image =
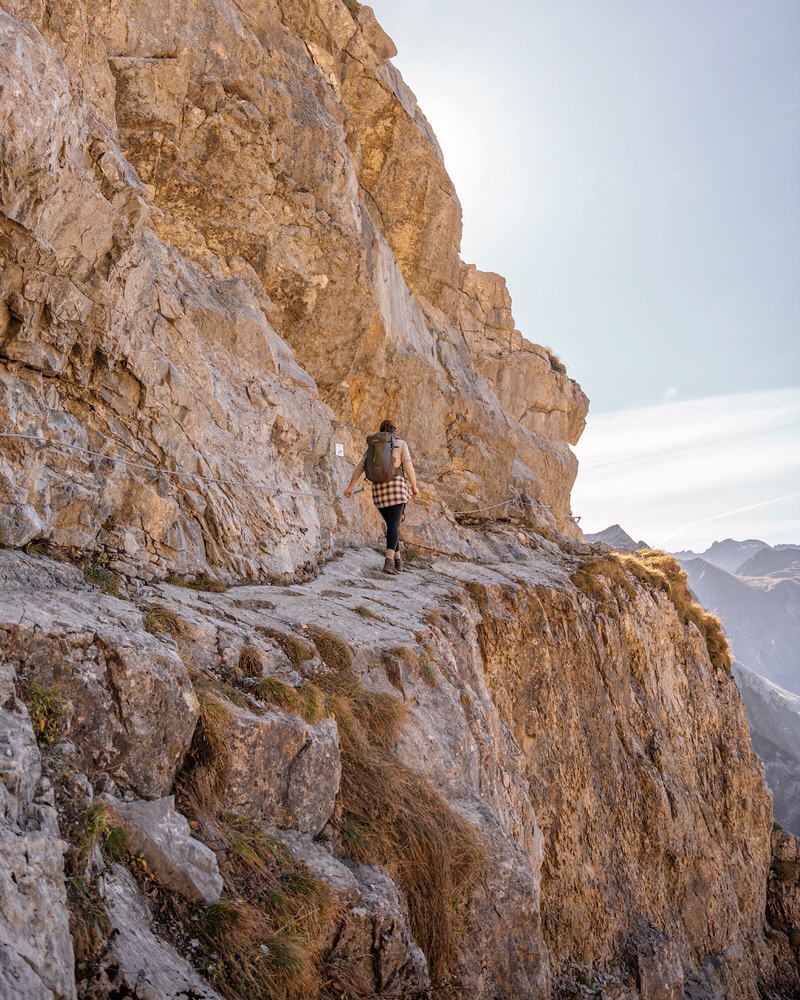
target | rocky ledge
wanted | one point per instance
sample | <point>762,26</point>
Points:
<point>427,778</point>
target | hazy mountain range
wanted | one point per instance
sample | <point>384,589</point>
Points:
<point>755,589</point>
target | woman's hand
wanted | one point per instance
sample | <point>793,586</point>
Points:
<point>348,492</point>
<point>414,491</point>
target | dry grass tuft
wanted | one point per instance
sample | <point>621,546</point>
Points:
<point>305,701</point>
<point>556,364</point>
<point>334,652</point>
<point>251,663</point>
<point>391,816</point>
<point>161,621</point>
<point>297,651</point>
<point>365,612</point>
<point>207,766</point>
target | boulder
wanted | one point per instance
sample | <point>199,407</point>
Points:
<point>281,770</point>
<point>126,698</point>
<point>374,942</point>
<point>163,836</point>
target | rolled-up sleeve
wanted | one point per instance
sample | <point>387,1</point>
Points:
<point>405,460</point>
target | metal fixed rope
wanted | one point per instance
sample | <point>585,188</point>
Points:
<point>215,480</point>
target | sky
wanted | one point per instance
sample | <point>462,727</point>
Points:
<point>632,168</point>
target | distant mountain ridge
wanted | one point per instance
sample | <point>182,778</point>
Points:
<point>728,554</point>
<point>774,719</point>
<point>780,562</point>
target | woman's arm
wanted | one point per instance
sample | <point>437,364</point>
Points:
<point>408,468</point>
<point>357,472</point>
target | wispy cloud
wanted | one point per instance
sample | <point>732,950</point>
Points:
<point>688,472</point>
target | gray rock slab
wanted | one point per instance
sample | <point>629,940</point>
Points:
<point>282,771</point>
<point>163,835</point>
<point>138,964</point>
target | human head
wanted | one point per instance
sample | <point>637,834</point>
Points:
<point>387,425</point>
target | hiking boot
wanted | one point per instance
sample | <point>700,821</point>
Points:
<point>388,566</point>
<point>398,562</point>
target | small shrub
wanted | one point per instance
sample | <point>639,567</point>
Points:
<point>103,578</point>
<point>207,583</point>
<point>365,612</point>
<point>352,6</point>
<point>46,709</point>
<point>207,764</point>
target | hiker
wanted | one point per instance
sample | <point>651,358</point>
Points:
<point>387,464</point>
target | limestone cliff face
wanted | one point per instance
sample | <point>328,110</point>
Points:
<point>228,242</point>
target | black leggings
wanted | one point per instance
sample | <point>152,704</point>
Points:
<point>392,516</point>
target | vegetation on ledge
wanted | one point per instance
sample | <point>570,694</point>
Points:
<point>658,571</point>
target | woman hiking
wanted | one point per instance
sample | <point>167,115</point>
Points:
<point>391,497</point>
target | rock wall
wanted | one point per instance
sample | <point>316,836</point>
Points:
<point>228,242</point>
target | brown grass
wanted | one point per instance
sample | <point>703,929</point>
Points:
<point>251,663</point>
<point>161,621</point>
<point>297,651</point>
<point>334,652</point>
<point>556,364</point>
<point>267,927</point>
<point>392,816</point>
